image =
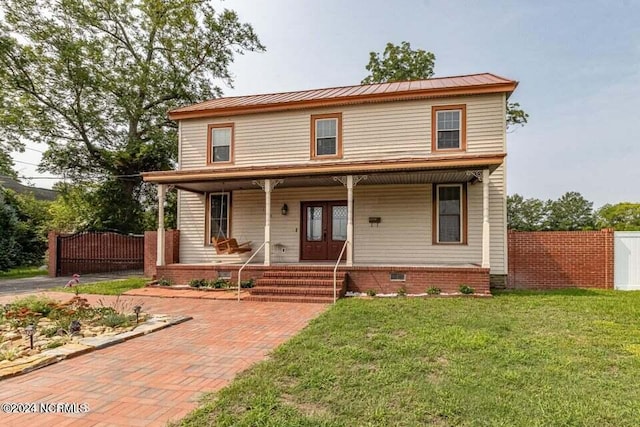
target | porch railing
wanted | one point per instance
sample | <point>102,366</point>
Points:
<point>244,265</point>
<point>335,271</point>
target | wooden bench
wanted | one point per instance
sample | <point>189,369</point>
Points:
<point>230,246</point>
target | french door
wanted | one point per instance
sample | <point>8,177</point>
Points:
<point>324,230</point>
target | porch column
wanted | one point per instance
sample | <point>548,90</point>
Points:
<point>162,191</point>
<point>267,222</point>
<point>350,220</point>
<point>486,230</point>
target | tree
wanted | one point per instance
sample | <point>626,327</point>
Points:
<point>94,79</point>
<point>399,63</point>
<point>30,231</point>
<point>8,244</point>
<point>526,215</point>
<point>403,63</point>
<point>570,212</point>
<point>621,216</point>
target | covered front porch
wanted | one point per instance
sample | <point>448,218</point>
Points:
<point>387,225</point>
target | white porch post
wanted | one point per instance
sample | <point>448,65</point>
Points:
<point>349,220</point>
<point>486,230</point>
<point>267,222</point>
<point>162,191</point>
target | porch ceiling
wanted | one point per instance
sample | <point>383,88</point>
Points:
<point>405,171</point>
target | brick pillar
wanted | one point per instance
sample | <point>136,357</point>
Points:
<point>172,247</point>
<point>171,250</point>
<point>150,245</point>
<point>53,253</point>
<point>609,261</point>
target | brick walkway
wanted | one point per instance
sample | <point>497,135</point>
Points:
<point>156,378</point>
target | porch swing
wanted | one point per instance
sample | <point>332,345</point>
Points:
<point>225,245</point>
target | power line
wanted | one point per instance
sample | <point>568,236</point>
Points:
<point>33,149</point>
<point>26,163</point>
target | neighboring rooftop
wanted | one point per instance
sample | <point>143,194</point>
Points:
<point>38,193</point>
<point>416,89</point>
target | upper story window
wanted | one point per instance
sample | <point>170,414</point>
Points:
<point>448,128</point>
<point>220,143</point>
<point>326,136</point>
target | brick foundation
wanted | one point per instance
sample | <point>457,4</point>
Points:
<point>171,250</point>
<point>360,279</point>
<point>560,259</point>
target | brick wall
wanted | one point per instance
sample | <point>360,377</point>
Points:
<point>171,250</point>
<point>560,259</point>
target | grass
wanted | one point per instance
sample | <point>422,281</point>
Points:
<point>22,272</point>
<point>518,359</point>
<point>111,287</point>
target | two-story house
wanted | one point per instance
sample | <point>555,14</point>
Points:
<point>405,179</point>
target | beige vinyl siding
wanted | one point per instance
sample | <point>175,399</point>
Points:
<point>498,221</point>
<point>404,237</point>
<point>371,131</point>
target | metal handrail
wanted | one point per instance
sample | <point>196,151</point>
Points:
<point>335,271</point>
<point>244,265</point>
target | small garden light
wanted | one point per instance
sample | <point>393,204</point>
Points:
<point>137,309</point>
<point>74,328</point>
<point>30,331</point>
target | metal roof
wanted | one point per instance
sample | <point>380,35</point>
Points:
<point>416,89</point>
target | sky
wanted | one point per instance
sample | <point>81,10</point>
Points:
<point>578,64</point>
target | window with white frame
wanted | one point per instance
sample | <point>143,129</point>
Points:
<point>325,135</point>
<point>220,143</point>
<point>448,127</point>
<point>219,216</point>
<point>449,213</point>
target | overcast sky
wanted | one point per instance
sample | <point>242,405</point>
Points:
<point>578,64</point>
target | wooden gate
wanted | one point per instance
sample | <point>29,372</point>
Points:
<point>98,252</point>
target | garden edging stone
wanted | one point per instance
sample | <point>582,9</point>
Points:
<point>86,345</point>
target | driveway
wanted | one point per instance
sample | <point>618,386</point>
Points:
<point>38,283</point>
<point>156,378</point>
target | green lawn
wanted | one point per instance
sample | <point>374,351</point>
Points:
<point>112,287</point>
<point>519,359</point>
<point>21,272</point>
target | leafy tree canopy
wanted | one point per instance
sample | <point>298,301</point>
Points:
<point>23,229</point>
<point>93,79</point>
<point>621,216</point>
<point>8,230</point>
<point>525,215</point>
<point>399,63</point>
<point>569,213</point>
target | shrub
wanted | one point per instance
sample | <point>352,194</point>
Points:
<point>371,292</point>
<point>219,283</point>
<point>8,352</point>
<point>466,290</point>
<point>434,290</point>
<point>164,282</point>
<point>402,292</point>
<point>198,283</point>
<point>245,284</point>
<point>36,304</point>
<point>115,320</point>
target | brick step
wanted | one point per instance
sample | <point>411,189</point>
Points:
<point>284,298</point>
<point>298,282</point>
<point>294,274</point>
<point>307,291</point>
